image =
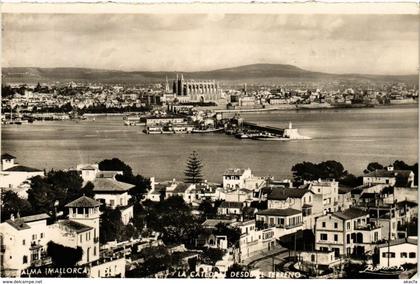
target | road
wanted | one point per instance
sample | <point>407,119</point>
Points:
<point>266,264</point>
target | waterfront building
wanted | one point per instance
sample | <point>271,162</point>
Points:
<point>346,233</point>
<point>196,91</point>
<point>391,177</point>
<point>398,252</point>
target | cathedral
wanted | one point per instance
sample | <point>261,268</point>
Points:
<point>195,91</point>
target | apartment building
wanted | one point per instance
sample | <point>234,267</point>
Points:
<point>346,233</point>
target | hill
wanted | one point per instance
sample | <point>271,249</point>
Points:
<point>256,73</point>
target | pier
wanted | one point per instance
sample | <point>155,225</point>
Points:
<point>269,129</point>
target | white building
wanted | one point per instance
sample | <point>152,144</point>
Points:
<point>24,240</point>
<point>400,251</point>
<point>346,233</point>
<point>235,178</point>
<point>14,176</point>
<point>114,194</point>
<point>328,189</point>
<point>389,176</point>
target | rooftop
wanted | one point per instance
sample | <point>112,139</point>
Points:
<point>110,185</point>
<point>284,193</point>
<point>386,173</point>
<point>279,212</point>
<point>181,187</point>
<point>75,226</point>
<point>351,213</point>
<point>21,223</point>
<point>231,204</point>
<point>213,222</point>
<point>84,201</point>
<point>7,156</point>
<point>234,172</point>
<point>399,242</point>
<point>22,169</point>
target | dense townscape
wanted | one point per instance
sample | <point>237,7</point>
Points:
<point>112,222</point>
<point>23,103</point>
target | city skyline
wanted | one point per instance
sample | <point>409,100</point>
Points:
<point>202,42</point>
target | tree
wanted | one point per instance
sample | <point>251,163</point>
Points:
<point>13,204</point>
<point>310,171</point>
<point>372,167</point>
<point>88,190</point>
<point>155,259</point>
<point>62,256</point>
<point>233,234</point>
<point>212,255</point>
<point>193,169</point>
<point>115,164</point>
<point>111,225</point>
<point>42,197</point>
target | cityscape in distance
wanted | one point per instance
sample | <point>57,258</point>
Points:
<point>263,146</point>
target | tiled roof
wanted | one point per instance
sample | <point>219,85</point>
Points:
<point>213,222</point>
<point>33,218</point>
<point>75,226</point>
<point>22,169</point>
<point>234,172</point>
<point>279,212</point>
<point>110,185</point>
<point>21,223</point>
<point>84,201</point>
<point>407,202</point>
<point>18,224</point>
<point>284,193</point>
<point>7,156</point>
<point>88,168</point>
<point>399,242</point>
<point>181,188</point>
<point>351,213</point>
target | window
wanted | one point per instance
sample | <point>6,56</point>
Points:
<point>324,237</point>
<point>412,255</point>
<point>25,259</point>
<point>310,199</point>
<point>42,235</point>
<point>23,242</point>
<point>33,237</point>
<point>391,254</point>
<point>323,224</point>
<point>348,238</point>
<point>313,258</point>
<point>335,238</point>
<point>403,255</point>
<point>335,225</point>
<point>80,237</point>
<point>348,225</point>
<point>79,210</point>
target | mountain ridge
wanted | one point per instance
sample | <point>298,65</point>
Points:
<point>258,71</point>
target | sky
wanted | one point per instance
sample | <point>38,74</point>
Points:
<point>334,43</point>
